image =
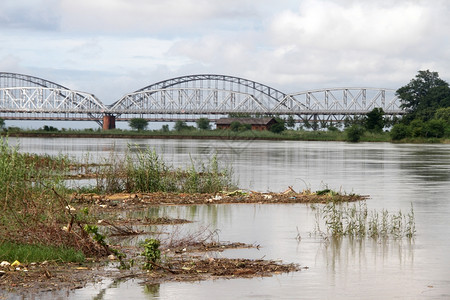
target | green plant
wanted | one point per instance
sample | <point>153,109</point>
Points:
<point>356,221</point>
<point>203,124</point>
<point>147,172</point>
<point>151,253</point>
<point>25,253</point>
<point>399,132</point>
<point>354,133</point>
<point>138,123</point>
<point>375,120</point>
<point>278,127</point>
<point>435,128</point>
<point>235,126</point>
<point>96,236</point>
<point>28,202</point>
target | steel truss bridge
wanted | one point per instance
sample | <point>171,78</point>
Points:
<point>187,98</point>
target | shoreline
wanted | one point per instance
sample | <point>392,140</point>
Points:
<point>133,136</point>
<point>320,137</point>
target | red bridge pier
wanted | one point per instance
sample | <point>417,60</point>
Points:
<point>109,122</point>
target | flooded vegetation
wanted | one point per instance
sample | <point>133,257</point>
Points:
<point>44,220</point>
<point>356,221</point>
<point>303,238</point>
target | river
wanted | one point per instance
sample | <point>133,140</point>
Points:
<point>395,176</point>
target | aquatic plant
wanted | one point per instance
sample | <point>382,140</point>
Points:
<point>354,220</point>
<point>151,253</point>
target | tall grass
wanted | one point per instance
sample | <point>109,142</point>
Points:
<point>356,221</point>
<point>33,204</point>
<point>26,189</point>
<point>146,171</point>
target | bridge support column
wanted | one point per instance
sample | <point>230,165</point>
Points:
<point>109,122</point>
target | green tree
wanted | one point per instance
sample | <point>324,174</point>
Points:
<point>443,114</point>
<point>278,127</point>
<point>423,95</point>
<point>235,125</point>
<point>417,128</point>
<point>49,128</point>
<point>203,123</point>
<point>165,128</point>
<point>2,123</point>
<point>306,124</point>
<point>354,133</point>
<point>399,131</point>
<point>375,120</point>
<point>435,128</point>
<point>138,124</point>
<point>180,125</point>
<point>290,122</point>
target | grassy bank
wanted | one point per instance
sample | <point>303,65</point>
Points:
<point>290,135</point>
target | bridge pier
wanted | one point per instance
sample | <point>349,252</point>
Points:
<point>109,122</point>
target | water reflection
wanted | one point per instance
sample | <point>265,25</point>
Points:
<point>340,252</point>
<point>429,165</point>
<point>152,290</point>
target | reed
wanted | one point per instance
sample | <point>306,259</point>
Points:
<point>354,220</point>
<point>146,171</point>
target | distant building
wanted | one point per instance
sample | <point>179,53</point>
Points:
<point>256,123</point>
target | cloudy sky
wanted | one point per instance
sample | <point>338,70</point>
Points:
<point>112,47</point>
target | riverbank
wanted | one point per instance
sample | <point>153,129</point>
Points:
<point>186,258</point>
<point>41,214</point>
<point>288,135</point>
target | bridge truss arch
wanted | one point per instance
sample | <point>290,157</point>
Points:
<point>33,98</point>
<point>200,94</point>
<point>187,98</point>
<point>208,95</point>
<point>345,100</point>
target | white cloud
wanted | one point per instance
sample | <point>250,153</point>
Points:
<point>174,17</point>
<point>110,47</point>
<point>355,39</point>
<point>359,26</point>
<point>35,15</point>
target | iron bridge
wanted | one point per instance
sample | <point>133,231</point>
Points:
<point>187,98</point>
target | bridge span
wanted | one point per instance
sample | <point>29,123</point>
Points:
<point>187,98</point>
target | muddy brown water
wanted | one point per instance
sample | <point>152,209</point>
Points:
<point>394,175</point>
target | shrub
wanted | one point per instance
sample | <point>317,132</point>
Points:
<point>235,125</point>
<point>203,124</point>
<point>151,253</point>
<point>435,128</point>
<point>354,133</point>
<point>399,131</point>
<point>417,128</point>
<point>278,127</point>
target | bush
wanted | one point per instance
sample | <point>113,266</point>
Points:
<point>417,128</point>
<point>399,132</point>
<point>354,133</point>
<point>180,125</point>
<point>203,124</point>
<point>435,128</point>
<point>278,127</point>
<point>235,125</point>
